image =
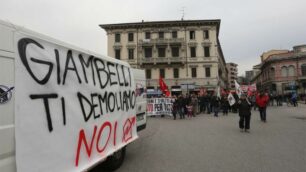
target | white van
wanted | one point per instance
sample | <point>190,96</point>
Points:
<point>63,108</point>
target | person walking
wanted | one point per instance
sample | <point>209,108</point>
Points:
<point>244,107</point>
<point>174,107</point>
<point>215,103</point>
<point>225,104</point>
<point>294,99</point>
<point>181,108</point>
<point>194,103</point>
<point>253,101</point>
<point>189,110</point>
<point>262,101</point>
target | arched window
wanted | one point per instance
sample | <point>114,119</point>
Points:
<point>291,70</point>
<point>272,72</point>
<point>284,71</point>
<point>303,68</point>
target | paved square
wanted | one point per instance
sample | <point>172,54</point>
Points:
<point>209,144</point>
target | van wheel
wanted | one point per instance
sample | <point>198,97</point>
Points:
<point>112,163</point>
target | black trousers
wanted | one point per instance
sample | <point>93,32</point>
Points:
<point>174,114</point>
<point>244,122</point>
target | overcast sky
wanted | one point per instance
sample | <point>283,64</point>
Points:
<point>248,27</point>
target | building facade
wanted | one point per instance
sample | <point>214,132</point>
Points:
<point>284,73</point>
<point>249,75</point>
<point>186,53</point>
<point>232,74</point>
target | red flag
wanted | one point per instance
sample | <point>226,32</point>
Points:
<point>163,87</point>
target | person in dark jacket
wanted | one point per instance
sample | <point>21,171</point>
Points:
<point>215,103</point>
<point>244,107</point>
<point>225,104</point>
<point>174,107</point>
<point>180,108</point>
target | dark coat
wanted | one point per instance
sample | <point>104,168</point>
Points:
<point>244,107</point>
<point>215,101</point>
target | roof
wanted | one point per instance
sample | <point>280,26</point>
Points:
<point>173,23</point>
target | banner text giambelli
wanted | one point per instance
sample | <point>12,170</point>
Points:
<point>106,76</point>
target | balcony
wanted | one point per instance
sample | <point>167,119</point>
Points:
<point>161,41</point>
<point>203,59</point>
<point>162,60</point>
<point>206,82</point>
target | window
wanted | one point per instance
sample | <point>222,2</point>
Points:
<point>162,73</point>
<point>161,35</point>
<point>148,73</point>
<point>131,53</point>
<point>148,52</point>
<point>272,73</point>
<point>148,35</point>
<point>117,37</point>
<point>192,34</point>
<point>206,51</point>
<point>131,37</point>
<point>193,52</point>
<point>303,68</point>
<point>207,71</point>
<point>174,34</point>
<point>206,34</point>
<point>161,52</point>
<point>175,52</point>
<point>291,71</point>
<point>117,53</point>
<point>194,72</point>
<point>284,71</point>
<point>175,73</point>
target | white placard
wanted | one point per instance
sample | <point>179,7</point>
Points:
<point>72,109</point>
<point>159,106</point>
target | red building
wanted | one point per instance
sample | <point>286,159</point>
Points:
<point>283,73</point>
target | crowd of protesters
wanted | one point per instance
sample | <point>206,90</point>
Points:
<point>188,106</point>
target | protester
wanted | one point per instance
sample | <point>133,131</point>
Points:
<point>194,103</point>
<point>215,104</point>
<point>234,107</point>
<point>244,107</point>
<point>294,99</point>
<point>189,110</point>
<point>181,108</point>
<point>225,104</point>
<point>262,100</point>
<point>253,101</point>
<point>175,108</point>
<point>279,99</point>
<point>207,99</point>
<point>202,103</point>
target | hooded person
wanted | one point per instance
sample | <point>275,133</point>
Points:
<point>244,107</point>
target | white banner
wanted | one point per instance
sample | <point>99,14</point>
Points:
<point>159,106</point>
<point>72,109</point>
<point>238,89</point>
<point>231,99</point>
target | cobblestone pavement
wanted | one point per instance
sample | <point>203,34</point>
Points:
<point>209,144</point>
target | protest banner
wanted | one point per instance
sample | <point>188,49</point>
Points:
<point>72,109</point>
<point>231,99</point>
<point>159,106</point>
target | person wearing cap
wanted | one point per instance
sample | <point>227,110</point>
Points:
<point>244,107</point>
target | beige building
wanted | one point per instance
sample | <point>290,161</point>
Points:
<point>232,74</point>
<point>186,53</point>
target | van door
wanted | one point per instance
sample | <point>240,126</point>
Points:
<point>7,141</point>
